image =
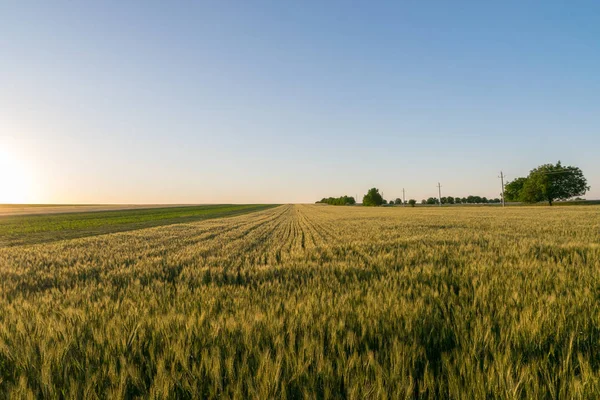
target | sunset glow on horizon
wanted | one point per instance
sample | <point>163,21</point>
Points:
<point>16,183</point>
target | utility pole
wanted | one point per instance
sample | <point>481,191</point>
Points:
<point>403,198</point>
<point>502,182</point>
<point>440,193</point>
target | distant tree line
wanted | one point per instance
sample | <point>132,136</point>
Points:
<point>461,200</point>
<point>549,183</point>
<point>374,198</point>
<point>338,201</point>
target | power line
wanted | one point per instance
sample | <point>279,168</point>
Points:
<point>502,181</point>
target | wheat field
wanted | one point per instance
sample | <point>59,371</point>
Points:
<point>306,301</point>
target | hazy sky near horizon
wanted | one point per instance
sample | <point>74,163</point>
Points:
<point>271,101</point>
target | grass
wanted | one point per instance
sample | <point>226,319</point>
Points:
<point>27,229</point>
<point>311,302</point>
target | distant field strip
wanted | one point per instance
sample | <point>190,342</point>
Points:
<point>30,209</point>
<point>25,229</point>
<point>308,301</point>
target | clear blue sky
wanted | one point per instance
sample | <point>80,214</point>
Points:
<point>252,101</point>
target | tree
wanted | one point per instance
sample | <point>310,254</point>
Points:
<point>449,200</point>
<point>338,201</point>
<point>550,182</point>
<point>513,189</point>
<point>423,201</point>
<point>372,198</point>
<point>457,200</point>
<point>398,201</point>
<point>412,202</point>
<point>433,200</point>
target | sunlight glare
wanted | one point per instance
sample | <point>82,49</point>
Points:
<point>15,182</point>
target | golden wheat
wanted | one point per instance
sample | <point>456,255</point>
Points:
<point>311,301</point>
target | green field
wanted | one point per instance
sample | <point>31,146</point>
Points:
<point>26,229</point>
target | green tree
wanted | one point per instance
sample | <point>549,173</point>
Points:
<point>550,182</point>
<point>398,201</point>
<point>338,201</point>
<point>372,198</point>
<point>412,202</point>
<point>513,189</point>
